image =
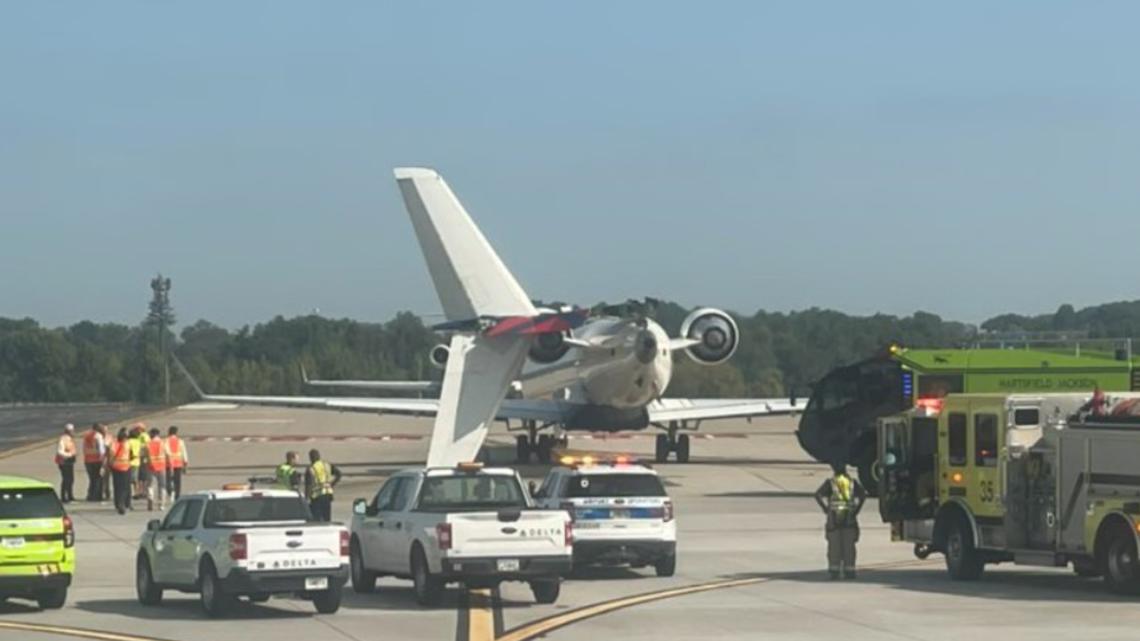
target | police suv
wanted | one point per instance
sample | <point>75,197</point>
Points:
<point>37,543</point>
<point>620,511</point>
<point>242,542</point>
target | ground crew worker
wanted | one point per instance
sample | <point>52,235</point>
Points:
<point>120,462</point>
<point>287,474</point>
<point>320,479</point>
<point>65,452</point>
<point>841,498</point>
<point>94,449</point>
<point>179,461</point>
<point>157,458</point>
<point>139,465</point>
<point>136,459</point>
<point>108,441</point>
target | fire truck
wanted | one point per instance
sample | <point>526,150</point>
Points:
<point>1046,480</point>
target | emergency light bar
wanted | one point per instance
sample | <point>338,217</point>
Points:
<point>592,459</point>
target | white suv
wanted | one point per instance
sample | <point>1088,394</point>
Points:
<point>620,511</point>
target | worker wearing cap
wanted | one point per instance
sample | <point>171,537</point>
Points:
<point>94,449</point>
<point>179,462</point>
<point>65,452</point>
<point>158,456</point>
<point>320,479</point>
<point>841,498</point>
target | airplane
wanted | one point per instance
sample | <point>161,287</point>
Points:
<point>558,368</point>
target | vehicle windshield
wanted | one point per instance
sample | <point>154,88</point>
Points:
<point>255,509</point>
<point>607,485</point>
<point>35,503</point>
<point>470,493</point>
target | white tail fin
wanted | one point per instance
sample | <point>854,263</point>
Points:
<point>470,278</point>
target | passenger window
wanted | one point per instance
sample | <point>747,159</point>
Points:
<point>1026,417</point>
<point>985,440</point>
<point>403,495</point>
<point>193,514</point>
<point>956,452</point>
<point>174,518</point>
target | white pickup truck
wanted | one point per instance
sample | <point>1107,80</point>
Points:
<point>464,524</point>
<point>252,543</point>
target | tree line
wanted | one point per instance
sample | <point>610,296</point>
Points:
<point>779,353</point>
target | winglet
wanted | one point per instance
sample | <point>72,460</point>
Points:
<point>470,278</point>
<point>186,373</point>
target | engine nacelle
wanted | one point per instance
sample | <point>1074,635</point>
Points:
<point>717,333</point>
<point>548,348</point>
<point>438,356</point>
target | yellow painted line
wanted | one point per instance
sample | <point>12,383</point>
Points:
<point>79,633</point>
<point>480,616</point>
<point>544,626</point>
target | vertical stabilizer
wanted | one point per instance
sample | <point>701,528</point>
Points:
<point>470,278</point>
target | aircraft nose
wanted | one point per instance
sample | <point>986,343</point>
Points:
<point>646,347</point>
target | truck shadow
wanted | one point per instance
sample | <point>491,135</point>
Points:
<point>609,573</point>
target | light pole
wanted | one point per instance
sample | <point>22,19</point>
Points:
<point>161,314</point>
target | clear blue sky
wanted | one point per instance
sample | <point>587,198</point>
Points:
<point>965,159</point>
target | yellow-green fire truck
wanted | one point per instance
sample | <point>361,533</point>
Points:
<point>1043,480</point>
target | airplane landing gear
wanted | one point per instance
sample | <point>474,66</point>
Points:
<point>541,445</point>
<point>672,442</point>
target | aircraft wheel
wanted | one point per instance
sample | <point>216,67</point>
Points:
<point>545,444</point>
<point>683,448</point>
<point>522,449</point>
<point>661,451</point>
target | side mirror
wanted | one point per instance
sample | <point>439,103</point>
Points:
<point>532,488</point>
<point>360,507</point>
<point>153,525</point>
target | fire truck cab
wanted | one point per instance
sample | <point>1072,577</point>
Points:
<point>1031,479</point>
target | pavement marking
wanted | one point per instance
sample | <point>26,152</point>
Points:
<point>480,615</point>
<point>79,633</point>
<point>541,627</point>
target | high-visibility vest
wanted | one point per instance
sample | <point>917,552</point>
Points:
<point>322,479</point>
<point>91,447</point>
<point>174,444</point>
<point>285,476</point>
<point>840,499</point>
<point>135,448</point>
<point>157,455</point>
<point>121,456</point>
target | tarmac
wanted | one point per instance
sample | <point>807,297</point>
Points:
<point>750,561</point>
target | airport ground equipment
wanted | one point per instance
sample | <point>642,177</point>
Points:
<point>464,524</point>
<point>620,511</point>
<point>1028,479</point>
<point>37,543</point>
<point>838,422</point>
<point>242,542</point>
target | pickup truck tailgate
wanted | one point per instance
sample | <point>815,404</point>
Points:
<point>532,533</point>
<point>296,547</point>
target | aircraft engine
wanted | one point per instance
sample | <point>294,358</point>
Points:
<point>438,355</point>
<point>717,333</point>
<point>548,348</point>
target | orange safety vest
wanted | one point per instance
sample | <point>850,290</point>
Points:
<point>121,456</point>
<point>174,444</point>
<point>157,455</point>
<point>91,447</point>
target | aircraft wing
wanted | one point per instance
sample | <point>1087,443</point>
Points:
<point>701,409</point>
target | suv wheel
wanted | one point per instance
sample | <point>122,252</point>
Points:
<point>428,588</point>
<point>363,581</point>
<point>148,593</point>
<point>328,601</point>
<point>666,566</point>
<point>215,602</point>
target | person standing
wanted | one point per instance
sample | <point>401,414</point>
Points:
<point>320,479</point>
<point>157,457</point>
<point>841,498</point>
<point>139,466</point>
<point>120,462</point>
<point>65,452</point>
<point>93,452</point>
<point>178,462</point>
<point>287,474</point>
<point>108,442</point>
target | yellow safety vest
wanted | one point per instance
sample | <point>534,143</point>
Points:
<point>135,449</point>
<point>840,499</point>
<point>322,479</point>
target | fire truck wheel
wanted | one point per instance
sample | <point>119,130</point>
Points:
<point>962,559</point>
<point>1121,569</point>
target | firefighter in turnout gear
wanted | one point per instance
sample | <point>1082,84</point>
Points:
<point>841,497</point>
<point>320,479</point>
